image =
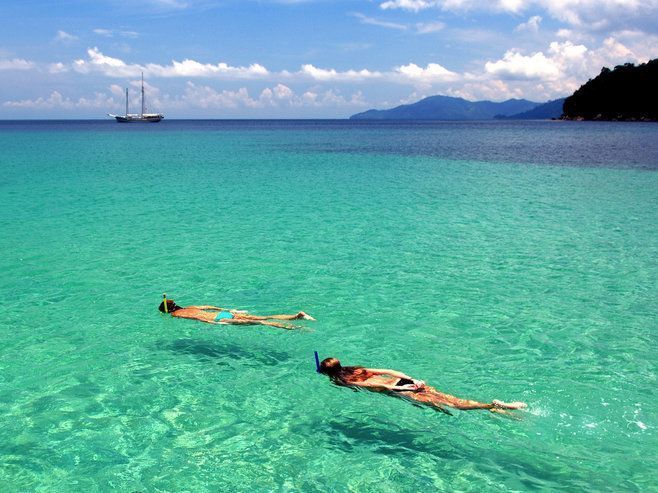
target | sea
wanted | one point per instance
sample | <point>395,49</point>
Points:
<point>493,260</point>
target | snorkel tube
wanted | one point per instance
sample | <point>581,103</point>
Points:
<point>317,362</point>
<point>164,302</point>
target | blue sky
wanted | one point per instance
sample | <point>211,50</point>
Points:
<point>305,58</point>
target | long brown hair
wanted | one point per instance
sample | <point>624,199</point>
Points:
<point>339,374</point>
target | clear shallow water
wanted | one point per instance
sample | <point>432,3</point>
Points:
<point>493,260</point>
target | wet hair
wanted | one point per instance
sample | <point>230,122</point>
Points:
<point>171,306</point>
<point>330,366</point>
<point>338,373</point>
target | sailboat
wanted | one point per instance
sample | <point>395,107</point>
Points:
<point>138,117</point>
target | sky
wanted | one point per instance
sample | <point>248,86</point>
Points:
<point>305,58</point>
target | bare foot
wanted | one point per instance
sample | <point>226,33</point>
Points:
<point>505,412</point>
<point>509,405</point>
<point>305,316</point>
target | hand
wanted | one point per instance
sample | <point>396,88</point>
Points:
<point>408,386</point>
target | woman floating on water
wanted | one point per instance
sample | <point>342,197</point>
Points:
<point>401,385</point>
<point>216,315</point>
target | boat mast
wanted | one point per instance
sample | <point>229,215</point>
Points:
<point>142,93</point>
<point>126,101</point>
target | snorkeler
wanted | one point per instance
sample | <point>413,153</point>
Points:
<point>216,315</point>
<point>398,384</point>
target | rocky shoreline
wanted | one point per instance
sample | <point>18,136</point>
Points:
<point>608,118</point>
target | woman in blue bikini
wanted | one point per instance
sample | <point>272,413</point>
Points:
<point>216,315</point>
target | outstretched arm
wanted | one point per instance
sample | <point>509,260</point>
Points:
<point>393,373</point>
<point>418,384</point>
<point>206,307</point>
<point>383,386</point>
<point>278,324</point>
<point>191,316</point>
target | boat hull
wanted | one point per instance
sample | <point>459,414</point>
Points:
<point>138,119</point>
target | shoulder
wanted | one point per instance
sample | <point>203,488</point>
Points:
<point>355,373</point>
<point>181,312</point>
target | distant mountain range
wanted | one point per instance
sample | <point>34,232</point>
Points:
<point>449,108</point>
<point>546,111</point>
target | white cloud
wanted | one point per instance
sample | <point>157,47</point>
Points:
<point>282,92</point>
<point>117,90</point>
<point>557,71</point>
<point>599,14</point>
<point>531,24</point>
<point>64,37</point>
<point>492,90</point>
<point>429,27</point>
<point>109,33</point>
<point>191,68</point>
<point>411,5</point>
<point>325,75</point>
<point>429,75</point>
<point>16,64</point>
<point>511,5</point>
<point>57,68</point>
<point>56,101</point>
<point>280,96</point>
<point>168,4</point>
<point>200,97</point>
<point>586,14</point>
<point>207,97</point>
<point>110,66</point>
<point>377,22</point>
<point>115,67</point>
<point>514,65</point>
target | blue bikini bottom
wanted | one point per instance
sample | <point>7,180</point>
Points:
<point>222,315</point>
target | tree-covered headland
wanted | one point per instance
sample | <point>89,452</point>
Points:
<point>627,93</point>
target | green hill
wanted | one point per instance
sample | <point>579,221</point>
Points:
<point>626,93</point>
<point>546,111</point>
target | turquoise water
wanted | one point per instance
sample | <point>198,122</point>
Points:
<point>503,260</point>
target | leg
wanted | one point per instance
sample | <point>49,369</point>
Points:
<point>250,321</point>
<point>432,397</point>
<point>297,316</point>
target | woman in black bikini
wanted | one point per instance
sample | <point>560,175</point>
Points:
<point>400,385</point>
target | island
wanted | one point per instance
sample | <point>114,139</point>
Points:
<point>449,108</point>
<point>627,93</point>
